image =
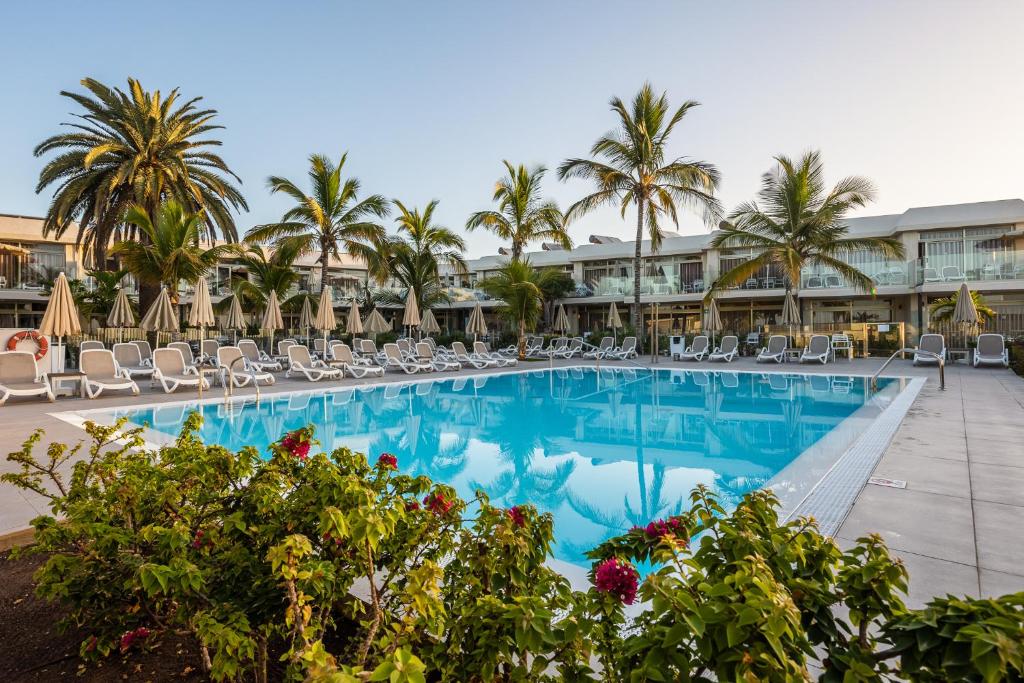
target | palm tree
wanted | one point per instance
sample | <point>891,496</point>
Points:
<point>523,216</point>
<point>104,293</point>
<point>414,257</point>
<point>635,172</point>
<point>330,220</point>
<point>941,310</point>
<point>134,148</point>
<point>273,272</point>
<point>520,287</point>
<point>799,223</point>
<point>170,250</point>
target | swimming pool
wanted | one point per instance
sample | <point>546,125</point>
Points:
<point>602,450</point>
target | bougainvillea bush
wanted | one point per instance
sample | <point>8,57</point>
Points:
<point>318,566</point>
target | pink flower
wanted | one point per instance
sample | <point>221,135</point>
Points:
<point>129,638</point>
<point>296,444</point>
<point>517,516</point>
<point>412,505</point>
<point>388,460</point>
<point>197,542</point>
<point>618,578</point>
<point>438,504</point>
<point>672,528</point>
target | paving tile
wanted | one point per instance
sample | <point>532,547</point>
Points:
<point>1010,432</point>
<point>930,578</point>
<point>923,523</point>
<point>930,445</point>
<point>987,451</point>
<point>1000,532</point>
<point>998,484</point>
<point>994,584</point>
<point>926,473</point>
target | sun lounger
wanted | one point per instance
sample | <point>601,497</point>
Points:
<point>145,352</point>
<point>282,347</point>
<point>90,345</point>
<point>357,367</point>
<point>320,347</point>
<point>393,359</point>
<point>256,358</point>
<point>555,347</point>
<point>19,376</point>
<point>575,347</point>
<point>170,370</point>
<point>208,352</point>
<point>242,373</point>
<point>698,349</point>
<point>480,350</point>
<point>626,351</point>
<point>368,350</point>
<point>727,350</point>
<point>775,351</point>
<point>933,344</point>
<point>129,359</point>
<point>465,358</point>
<point>300,361</point>
<point>606,345</point>
<point>425,354</point>
<point>818,348</point>
<point>101,372</point>
<point>991,350</point>
<point>186,352</point>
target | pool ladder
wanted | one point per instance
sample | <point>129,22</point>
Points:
<point>920,352</point>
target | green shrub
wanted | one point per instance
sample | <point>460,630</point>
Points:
<point>346,570</point>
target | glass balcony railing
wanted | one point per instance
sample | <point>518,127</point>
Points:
<point>650,285</point>
<point>974,267</point>
<point>881,272</point>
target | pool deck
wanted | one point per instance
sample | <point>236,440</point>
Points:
<point>958,525</point>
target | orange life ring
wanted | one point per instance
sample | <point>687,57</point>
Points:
<point>40,340</point>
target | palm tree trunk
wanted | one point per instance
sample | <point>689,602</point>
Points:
<point>637,264</point>
<point>324,261</point>
<point>148,292</point>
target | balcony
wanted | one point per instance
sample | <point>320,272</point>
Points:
<point>650,285</point>
<point>883,273</point>
<point>997,266</point>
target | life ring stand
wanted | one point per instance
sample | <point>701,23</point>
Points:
<point>42,345</point>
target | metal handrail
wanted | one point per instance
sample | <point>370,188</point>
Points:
<point>229,383</point>
<point>920,352</point>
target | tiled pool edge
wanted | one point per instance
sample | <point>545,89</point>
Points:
<point>831,500</point>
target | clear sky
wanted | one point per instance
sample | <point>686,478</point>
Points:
<point>925,98</point>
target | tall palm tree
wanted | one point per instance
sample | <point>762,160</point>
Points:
<point>330,220</point>
<point>134,148</point>
<point>170,251</point>
<point>635,172</point>
<point>414,257</point>
<point>520,287</point>
<point>796,222</point>
<point>523,215</point>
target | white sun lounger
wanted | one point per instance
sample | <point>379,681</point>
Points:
<point>101,372</point>
<point>480,350</point>
<point>209,351</point>
<point>256,358</point>
<point>393,359</point>
<point>300,361</point>
<point>776,349</point>
<point>145,351</point>
<point>555,347</point>
<point>186,352</point>
<point>19,376</point>
<point>90,345</point>
<point>626,351</point>
<point>170,370</point>
<point>350,364</point>
<point>465,358</point>
<point>241,374</point>
<point>575,347</point>
<point>606,345</point>
<point>425,354</point>
<point>991,350</point>
<point>129,359</point>
<point>818,348</point>
<point>934,344</point>
<point>698,349</point>
<point>727,350</point>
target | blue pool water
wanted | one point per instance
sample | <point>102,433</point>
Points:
<point>601,450</point>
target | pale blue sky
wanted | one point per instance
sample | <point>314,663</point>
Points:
<point>924,98</point>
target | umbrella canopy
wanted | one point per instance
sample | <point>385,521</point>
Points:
<point>355,323</point>
<point>161,316</point>
<point>12,249</point>
<point>412,310</point>
<point>375,323</point>
<point>235,319</point>
<point>61,316</point>
<point>121,315</point>
<point>790,311</point>
<point>561,320</point>
<point>272,319</point>
<point>965,312</point>
<point>201,313</point>
<point>476,324</point>
<point>614,321</point>
<point>428,325</point>
<point>712,319</point>
<point>306,315</point>
<point>325,320</point>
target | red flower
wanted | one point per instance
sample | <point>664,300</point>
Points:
<point>388,460</point>
<point>619,578</point>
<point>518,517</point>
<point>672,528</point>
<point>412,505</point>
<point>438,504</point>
<point>93,641</point>
<point>297,444</point>
<point>197,542</point>
<point>129,638</point>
